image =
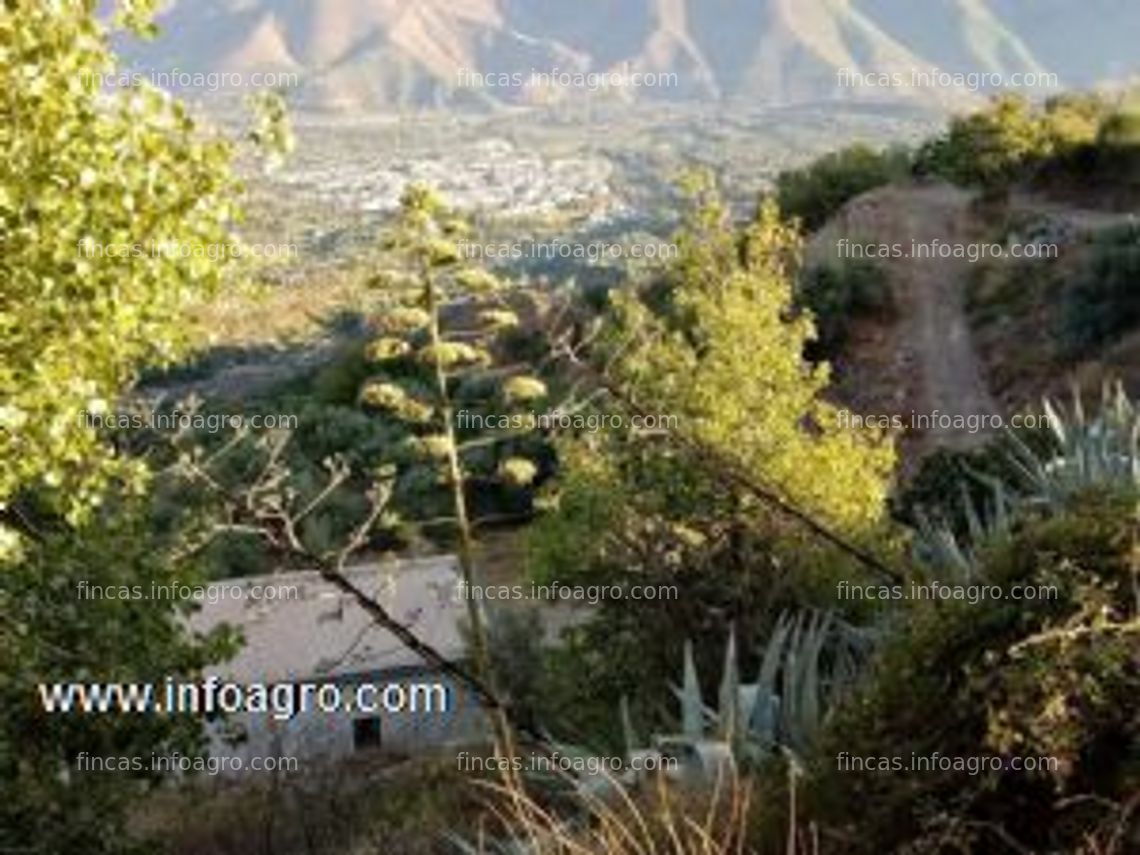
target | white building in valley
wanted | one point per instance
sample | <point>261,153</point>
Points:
<point>331,680</point>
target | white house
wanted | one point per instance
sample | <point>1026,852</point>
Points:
<point>300,629</point>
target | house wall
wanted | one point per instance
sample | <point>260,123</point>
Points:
<point>319,735</point>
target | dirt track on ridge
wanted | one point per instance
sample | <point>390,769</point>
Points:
<point>927,363</point>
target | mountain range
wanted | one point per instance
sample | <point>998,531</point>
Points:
<point>400,54</point>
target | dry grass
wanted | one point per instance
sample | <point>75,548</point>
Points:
<point>663,819</point>
<point>271,314</point>
<point>361,805</point>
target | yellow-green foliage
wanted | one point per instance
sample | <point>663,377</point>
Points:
<point>1074,119</point>
<point>992,146</point>
<point>1121,130</point>
<point>84,168</point>
<point>1011,137</point>
<point>730,365</point>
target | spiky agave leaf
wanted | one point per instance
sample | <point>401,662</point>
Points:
<point>692,707</point>
<point>789,691</point>
<point>629,735</point>
<point>800,710</point>
<point>764,717</point>
<point>813,657</point>
<point>810,683</point>
<point>939,551</point>
<point>728,712</point>
<point>939,548</point>
<point>1090,452</point>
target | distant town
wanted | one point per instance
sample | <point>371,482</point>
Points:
<point>493,176</point>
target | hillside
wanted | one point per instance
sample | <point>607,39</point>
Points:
<point>357,54</point>
<point>991,336</point>
<point>924,360</point>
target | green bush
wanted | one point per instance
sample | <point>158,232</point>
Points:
<point>947,478</point>
<point>81,173</point>
<point>1076,136</point>
<point>839,292</point>
<point>816,192</point>
<point>1120,130</point>
<point>1103,302</point>
<point>1072,120</point>
<point>1052,677</point>
<point>991,148</point>
<point>53,632</point>
<point>1117,151</point>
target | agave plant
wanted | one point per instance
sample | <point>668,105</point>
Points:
<point>809,661</point>
<point>943,556</point>
<point>1102,451</point>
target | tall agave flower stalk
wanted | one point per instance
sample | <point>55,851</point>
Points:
<point>429,277</point>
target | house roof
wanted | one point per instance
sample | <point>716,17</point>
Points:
<point>313,630</point>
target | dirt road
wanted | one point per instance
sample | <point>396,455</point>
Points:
<point>926,365</point>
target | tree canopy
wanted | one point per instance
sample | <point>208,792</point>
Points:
<point>112,210</point>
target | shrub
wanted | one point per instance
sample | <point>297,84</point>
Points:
<point>1103,303</point>
<point>1117,151</point>
<point>52,632</point>
<point>839,292</point>
<point>1054,678</point>
<point>1120,130</point>
<point>816,192</point>
<point>1072,120</point>
<point>80,174</point>
<point>991,148</point>
<point>1073,137</point>
<point>357,805</point>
